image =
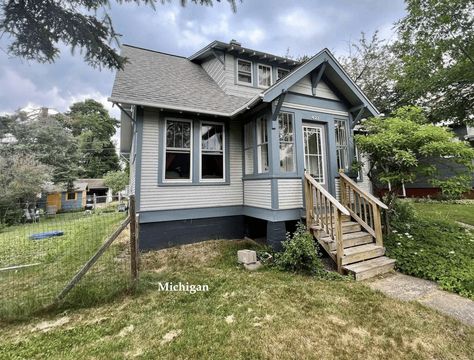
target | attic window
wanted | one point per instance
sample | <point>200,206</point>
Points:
<point>281,73</point>
<point>244,72</point>
<point>264,75</point>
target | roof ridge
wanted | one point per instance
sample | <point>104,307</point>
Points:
<point>155,51</point>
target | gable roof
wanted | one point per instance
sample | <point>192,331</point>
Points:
<point>336,75</point>
<point>156,79</point>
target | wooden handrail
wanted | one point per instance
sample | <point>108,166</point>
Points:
<point>326,194</point>
<point>362,192</point>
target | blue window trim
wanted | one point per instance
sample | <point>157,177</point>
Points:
<point>195,152</point>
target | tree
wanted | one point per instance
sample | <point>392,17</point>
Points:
<point>21,179</point>
<point>44,139</point>
<point>371,64</point>
<point>436,47</point>
<point>116,180</point>
<point>38,27</point>
<point>92,125</point>
<point>401,147</point>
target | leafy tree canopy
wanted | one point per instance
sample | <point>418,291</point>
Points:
<point>37,28</point>
<point>93,128</point>
<point>116,180</point>
<point>436,47</point>
<point>401,147</point>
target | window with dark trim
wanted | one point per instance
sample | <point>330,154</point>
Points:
<point>342,148</point>
<point>212,151</point>
<point>262,145</point>
<point>287,142</point>
<point>178,150</point>
<point>244,72</point>
<point>71,196</point>
<point>248,147</point>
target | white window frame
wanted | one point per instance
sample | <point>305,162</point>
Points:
<point>279,68</point>
<point>237,73</point>
<point>191,157</point>
<point>345,147</point>
<point>223,152</point>
<point>249,125</point>
<point>293,142</point>
<point>258,76</point>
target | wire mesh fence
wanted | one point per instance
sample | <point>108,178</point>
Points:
<point>42,248</point>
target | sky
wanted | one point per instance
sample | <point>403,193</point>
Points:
<point>274,26</point>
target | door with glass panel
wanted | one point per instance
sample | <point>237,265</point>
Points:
<point>314,143</point>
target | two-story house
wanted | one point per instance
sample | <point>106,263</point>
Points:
<point>223,143</point>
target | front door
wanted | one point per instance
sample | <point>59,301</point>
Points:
<point>314,142</point>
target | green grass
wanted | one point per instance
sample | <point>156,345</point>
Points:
<point>446,211</point>
<point>56,260</point>
<point>432,246</point>
<point>245,315</point>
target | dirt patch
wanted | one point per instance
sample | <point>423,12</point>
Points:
<point>46,326</point>
<point>170,336</point>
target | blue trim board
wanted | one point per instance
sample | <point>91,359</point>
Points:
<point>223,211</point>
<point>138,163</point>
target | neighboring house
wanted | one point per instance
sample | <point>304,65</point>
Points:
<point>447,168</point>
<point>219,142</point>
<point>59,197</point>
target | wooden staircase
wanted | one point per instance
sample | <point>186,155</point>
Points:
<point>350,231</point>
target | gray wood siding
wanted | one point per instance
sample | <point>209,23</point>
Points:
<point>230,86</point>
<point>258,193</point>
<point>322,90</point>
<point>216,71</point>
<point>290,193</point>
<point>155,197</point>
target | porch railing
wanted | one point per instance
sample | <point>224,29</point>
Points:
<point>325,213</point>
<point>363,207</point>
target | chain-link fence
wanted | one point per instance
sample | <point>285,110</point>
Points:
<point>43,245</point>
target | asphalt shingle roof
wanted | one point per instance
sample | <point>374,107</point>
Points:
<point>157,79</point>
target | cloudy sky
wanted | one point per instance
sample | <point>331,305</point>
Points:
<point>303,27</point>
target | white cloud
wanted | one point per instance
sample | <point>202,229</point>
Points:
<point>302,24</point>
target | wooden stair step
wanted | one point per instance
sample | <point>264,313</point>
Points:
<point>360,253</point>
<point>347,227</point>
<point>344,218</point>
<point>370,268</point>
<point>350,240</point>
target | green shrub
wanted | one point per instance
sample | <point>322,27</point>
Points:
<point>300,253</point>
<point>401,212</point>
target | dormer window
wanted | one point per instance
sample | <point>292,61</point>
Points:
<point>244,72</point>
<point>264,75</point>
<point>281,73</point>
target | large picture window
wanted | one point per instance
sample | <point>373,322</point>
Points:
<point>264,75</point>
<point>178,149</point>
<point>244,72</point>
<point>262,145</point>
<point>342,154</point>
<point>212,151</point>
<point>287,142</point>
<point>248,147</point>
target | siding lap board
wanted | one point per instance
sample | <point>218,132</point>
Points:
<point>154,197</point>
<point>258,193</point>
<point>290,193</point>
<point>322,90</point>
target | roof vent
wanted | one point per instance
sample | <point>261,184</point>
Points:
<point>235,42</point>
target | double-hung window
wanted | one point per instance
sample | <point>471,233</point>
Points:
<point>287,142</point>
<point>178,157</point>
<point>281,73</point>
<point>262,145</point>
<point>264,75</point>
<point>212,151</point>
<point>248,147</point>
<point>244,72</point>
<point>342,154</point>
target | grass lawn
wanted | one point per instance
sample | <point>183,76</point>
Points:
<point>432,246</point>
<point>445,211</point>
<point>55,260</point>
<point>245,315</point>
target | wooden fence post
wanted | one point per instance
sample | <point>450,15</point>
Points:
<point>133,241</point>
